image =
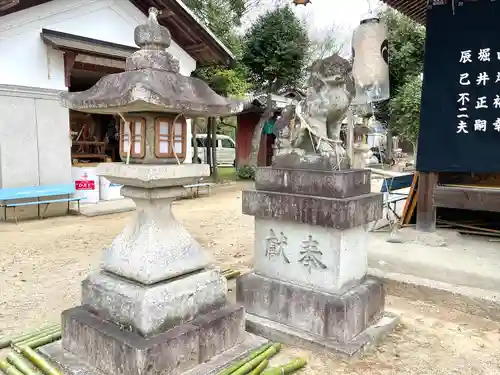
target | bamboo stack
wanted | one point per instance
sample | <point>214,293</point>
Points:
<point>23,359</point>
<point>230,274</point>
<point>256,363</point>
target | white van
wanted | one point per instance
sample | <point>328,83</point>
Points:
<point>226,149</point>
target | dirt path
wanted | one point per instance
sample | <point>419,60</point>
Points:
<point>43,262</point>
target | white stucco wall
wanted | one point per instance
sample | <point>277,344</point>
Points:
<point>27,63</point>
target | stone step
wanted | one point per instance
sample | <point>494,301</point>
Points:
<point>111,350</point>
<point>331,184</point>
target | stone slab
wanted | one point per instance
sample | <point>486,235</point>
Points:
<point>118,352</point>
<point>72,365</point>
<point>332,184</point>
<point>287,335</point>
<point>332,316</point>
<point>322,258</point>
<point>153,175</point>
<point>114,351</point>
<point>298,159</point>
<point>307,209</point>
<point>220,330</point>
<point>151,309</point>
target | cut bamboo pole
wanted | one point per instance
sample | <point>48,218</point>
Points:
<point>39,362</point>
<point>17,345</point>
<point>6,342</point>
<point>238,364</point>
<point>253,363</point>
<point>261,367</point>
<point>8,369</point>
<point>21,364</point>
<point>286,369</point>
<point>44,340</point>
<point>232,275</point>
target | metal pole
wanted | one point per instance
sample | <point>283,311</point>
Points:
<point>350,134</point>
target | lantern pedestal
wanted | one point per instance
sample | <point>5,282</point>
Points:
<point>361,155</point>
<point>310,287</point>
<point>156,306</point>
<point>153,246</point>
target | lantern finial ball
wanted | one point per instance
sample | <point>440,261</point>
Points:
<point>302,2</point>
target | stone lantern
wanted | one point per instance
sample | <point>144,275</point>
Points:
<point>156,306</point>
<point>153,138</point>
<point>370,68</point>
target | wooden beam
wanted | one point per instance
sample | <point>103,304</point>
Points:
<point>198,47</point>
<point>468,198</point>
<point>426,209</point>
<point>96,68</point>
<point>69,63</point>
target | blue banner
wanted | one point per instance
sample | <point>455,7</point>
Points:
<point>460,113</point>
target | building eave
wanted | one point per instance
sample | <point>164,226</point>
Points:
<point>76,43</point>
<point>414,9</point>
<point>186,29</point>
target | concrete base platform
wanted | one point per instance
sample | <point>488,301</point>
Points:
<point>461,273</point>
<point>106,207</point>
<point>291,336</point>
<point>480,302</point>
<point>71,365</point>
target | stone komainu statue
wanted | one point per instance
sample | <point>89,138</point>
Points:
<point>313,125</point>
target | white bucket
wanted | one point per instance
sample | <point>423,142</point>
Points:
<point>109,191</point>
<point>86,184</point>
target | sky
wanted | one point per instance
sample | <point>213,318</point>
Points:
<point>323,16</point>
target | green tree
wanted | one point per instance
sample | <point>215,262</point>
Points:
<point>222,17</point>
<point>406,59</point>
<point>405,110</point>
<point>226,82</point>
<point>274,51</point>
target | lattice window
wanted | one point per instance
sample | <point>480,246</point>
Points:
<point>133,137</point>
<point>170,137</point>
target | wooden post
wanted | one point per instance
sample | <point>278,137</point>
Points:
<point>194,126</point>
<point>215,171</point>
<point>69,63</point>
<point>426,210</point>
<point>208,145</point>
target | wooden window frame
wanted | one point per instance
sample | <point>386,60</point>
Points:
<point>171,143</point>
<point>132,140</point>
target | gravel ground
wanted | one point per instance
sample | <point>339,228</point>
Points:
<point>43,262</point>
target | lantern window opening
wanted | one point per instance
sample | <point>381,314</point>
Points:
<point>170,137</point>
<point>133,137</point>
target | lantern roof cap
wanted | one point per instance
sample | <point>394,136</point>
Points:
<point>151,82</point>
<point>370,16</point>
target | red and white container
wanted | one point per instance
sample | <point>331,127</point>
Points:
<point>108,190</point>
<point>86,183</point>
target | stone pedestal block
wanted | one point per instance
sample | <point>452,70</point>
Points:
<point>149,309</point>
<point>338,184</point>
<point>335,316</point>
<point>296,315</point>
<point>335,213</point>
<point>312,256</point>
<point>115,351</point>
